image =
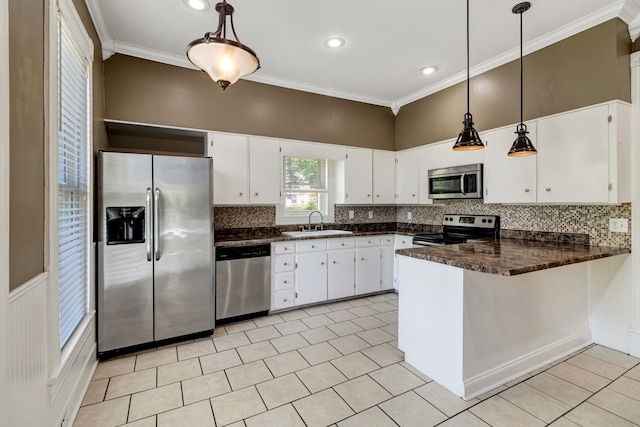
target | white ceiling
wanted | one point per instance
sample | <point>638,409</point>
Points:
<point>388,42</point>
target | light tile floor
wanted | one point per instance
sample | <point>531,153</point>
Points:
<point>338,365</point>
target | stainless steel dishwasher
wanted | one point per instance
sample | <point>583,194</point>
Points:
<point>243,280</point>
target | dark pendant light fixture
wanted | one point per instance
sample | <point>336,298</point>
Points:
<point>225,60</point>
<point>468,138</point>
<point>522,146</point>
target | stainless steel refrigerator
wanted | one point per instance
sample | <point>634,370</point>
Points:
<point>155,248</point>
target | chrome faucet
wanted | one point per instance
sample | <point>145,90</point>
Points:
<point>321,220</point>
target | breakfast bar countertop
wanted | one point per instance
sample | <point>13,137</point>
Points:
<point>510,257</point>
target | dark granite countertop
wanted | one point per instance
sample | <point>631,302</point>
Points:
<point>259,238</point>
<point>510,257</point>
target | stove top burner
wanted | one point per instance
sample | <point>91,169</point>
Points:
<point>459,228</point>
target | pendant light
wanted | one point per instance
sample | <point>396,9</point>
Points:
<point>522,146</point>
<point>225,60</point>
<point>468,138</point>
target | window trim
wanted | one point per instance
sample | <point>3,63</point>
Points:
<point>302,217</point>
<point>59,360</point>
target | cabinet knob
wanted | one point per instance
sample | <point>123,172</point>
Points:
<point>286,248</point>
<point>369,241</point>
<point>322,263</point>
<point>362,259</point>
<point>241,193</point>
<point>285,263</point>
<point>547,189</point>
<point>526,190</point>
<point>256,194</point>
<point>334,262</point>
<point>377,195</point>
<point>341,244</point>
<point>313,246</point>
<point>368,195</point>
<point>284,281</point>
<point>413,195</point>
<point>285,300</point>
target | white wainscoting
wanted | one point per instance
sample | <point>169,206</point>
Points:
<point>27,354</point>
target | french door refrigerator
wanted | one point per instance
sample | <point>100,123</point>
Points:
<point>155,248</point>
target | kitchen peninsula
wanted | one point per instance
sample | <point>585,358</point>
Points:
<point>476,315</point>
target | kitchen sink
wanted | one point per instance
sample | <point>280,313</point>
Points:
<point>316,233</point>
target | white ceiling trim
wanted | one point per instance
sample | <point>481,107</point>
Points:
<point>627,10</point>
<point>575,27</point>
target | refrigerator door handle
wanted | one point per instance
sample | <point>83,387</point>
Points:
<point>156,224</point>
<point>147,226</point>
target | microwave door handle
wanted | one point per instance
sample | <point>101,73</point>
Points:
<point>147,224</point>
<point>462,183</point>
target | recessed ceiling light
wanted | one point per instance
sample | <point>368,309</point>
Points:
<point>429,70</point>
<point>197,4</point>
<point>334,42</point>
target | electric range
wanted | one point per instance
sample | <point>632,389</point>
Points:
<point>460,228</point>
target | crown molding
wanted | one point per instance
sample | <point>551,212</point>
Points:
<point>573,28</point>
<point>627,10</point>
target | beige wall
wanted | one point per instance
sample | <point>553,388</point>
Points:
<point>26,108</point>
<point>585,69</point>
<point>27,46</point>
<point>149,92</point>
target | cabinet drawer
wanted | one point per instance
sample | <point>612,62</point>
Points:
<point>283,248</point>
<point>387,240</point>
<point>283,281</point>
<point>367,241</point>
<point>284,263</point>
<point>340,244</point>
<point>311,246</point>
<point>283,299</point>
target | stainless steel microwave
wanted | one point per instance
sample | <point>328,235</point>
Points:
<point>459,182</point>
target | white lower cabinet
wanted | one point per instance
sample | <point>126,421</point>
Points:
<point>340,274</point>
<point>387,257</point>
<point>312,271</point>
<point>401,242</point>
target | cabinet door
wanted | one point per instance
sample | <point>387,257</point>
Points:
<point>384,177</point>
<point>341,274</point>
<point>311,278</point>
<point>359,176</point>
<point>367,270</point>
<point>508,179</point>
<point>573,157</point>
<point>283,299</point>
<point>230,169</point>
<point>401,242</point>
<point>407,180</point>
<point>264,170</point>
<point>387,264</point>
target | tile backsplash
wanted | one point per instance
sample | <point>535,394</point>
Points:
<point>585,219</point>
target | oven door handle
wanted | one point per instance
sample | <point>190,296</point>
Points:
<point>462,183</point>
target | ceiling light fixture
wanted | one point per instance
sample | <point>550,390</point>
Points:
<point>199,5</point>
<point>522,146</point>
<point>429,70</point>
<point>334,42</point>
<point>225,60</point>
<point>468,138</point>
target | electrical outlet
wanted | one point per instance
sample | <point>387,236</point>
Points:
<point>619,225</point>
<point>409,216</point>
<point>352,214</point>
<point>370,214</point>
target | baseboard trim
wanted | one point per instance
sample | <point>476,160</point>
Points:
<point>616,339</point>
<point>524,364</point>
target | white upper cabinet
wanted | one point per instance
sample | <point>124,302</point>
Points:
<point>264,171</point>
<point>359,176</point>
<point>230,168</point>
<point>583,156</point>
<point>508,179</point>
<point>245,169</point>
<point>384,177</point>
<point>407,181</point>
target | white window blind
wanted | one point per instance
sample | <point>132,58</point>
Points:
<point>73,181</point>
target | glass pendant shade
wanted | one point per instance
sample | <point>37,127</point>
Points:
<point>225,60</point>
<point>522,146</point>
<point>468,138</point>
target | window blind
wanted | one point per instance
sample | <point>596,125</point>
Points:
<point>73,182</point>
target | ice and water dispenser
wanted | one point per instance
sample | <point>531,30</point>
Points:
<point>125,225</point>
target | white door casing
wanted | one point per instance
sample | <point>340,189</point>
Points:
<point>635,213</point>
